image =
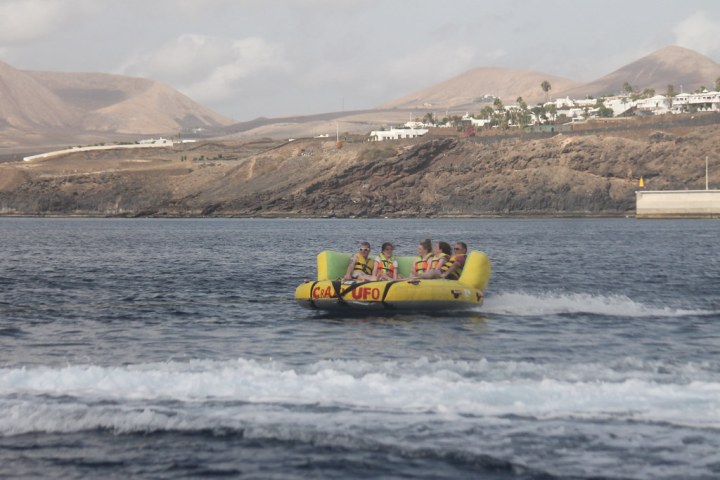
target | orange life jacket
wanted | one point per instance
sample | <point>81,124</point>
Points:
<point>386,265</point>
<point>436,260</point>
<point>422,264</point>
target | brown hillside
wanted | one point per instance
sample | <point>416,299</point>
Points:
<point>577,173</point>
<point>121,104</point>
<point>43,104</point>
<point>91,91</point>
<point>672,65</point>
<point>467,89</point>
<point>26,103</point>
<point>157,109</point>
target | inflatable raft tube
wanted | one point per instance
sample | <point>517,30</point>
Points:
<point>328,292</point>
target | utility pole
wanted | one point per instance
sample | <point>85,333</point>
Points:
<point>706,173</point>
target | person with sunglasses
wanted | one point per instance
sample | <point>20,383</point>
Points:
<point>361,266</point>
<point>454,266</point>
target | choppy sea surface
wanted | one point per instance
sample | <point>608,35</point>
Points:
<point>155,348</point>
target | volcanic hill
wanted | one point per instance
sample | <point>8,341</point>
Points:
<point>96,102</point>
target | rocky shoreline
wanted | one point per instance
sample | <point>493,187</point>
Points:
<point>592,173</point>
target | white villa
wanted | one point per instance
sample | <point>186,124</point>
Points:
<point>657,105</point>
<point>397,133</point>
<point>475,122</point>
<point>704,102</point>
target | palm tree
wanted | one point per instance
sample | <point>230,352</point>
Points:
<point>429,119</point>
<point>552,111</point>
<point>546,87</point>
<point>539,112</point>
<point>486,112</point>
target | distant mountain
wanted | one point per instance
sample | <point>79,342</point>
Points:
<point>26,103</point>
<point>676,66</point>
<point>471,89</point>
<point>97,102</point>
<point>103,104</point>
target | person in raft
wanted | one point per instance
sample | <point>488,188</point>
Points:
<point>422,262</point>
<point>453,268</point>
<point>386,265</point>
<point>437,262</point>
<point>361,267</point>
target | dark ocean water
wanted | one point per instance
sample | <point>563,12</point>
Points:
<point>166,349</point>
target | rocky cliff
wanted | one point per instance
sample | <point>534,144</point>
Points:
<point>592,172</point>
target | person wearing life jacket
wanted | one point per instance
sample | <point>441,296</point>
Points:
<point>386,265</point>
<point>453,268</point>
<point>422,262</point>
<point>361,266</point>
<point>442,255</point>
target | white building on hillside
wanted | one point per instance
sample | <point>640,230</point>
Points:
<point>158,142</point>
<point>560,103</point>
<point>657,105</point>
<point>703,102</point>
<point>475,122</point>
<point>415,124</point>
<point>397,134</point>
<point>619,105</point>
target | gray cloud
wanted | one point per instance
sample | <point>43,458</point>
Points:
<point>23,21</point>
<point>699,32</point>
<point>208,68</point>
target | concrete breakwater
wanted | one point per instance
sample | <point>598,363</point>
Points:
<point>678,204</point>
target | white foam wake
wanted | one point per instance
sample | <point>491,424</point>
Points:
<point>554,303</point>
<point>205,394</point>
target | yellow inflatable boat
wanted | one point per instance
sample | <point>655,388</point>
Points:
<point>329,292</point>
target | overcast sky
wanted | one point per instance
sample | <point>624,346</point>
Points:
<point>250,58</point>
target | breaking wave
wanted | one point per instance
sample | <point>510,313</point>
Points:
<point>235,394</point>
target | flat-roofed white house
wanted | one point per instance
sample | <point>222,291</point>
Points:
<point>619,105</point>
<point>702,102</point>
<point>657,105</point>
<point>397,134</point>
<point>475,122</point>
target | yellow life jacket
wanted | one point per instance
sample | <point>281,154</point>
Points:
<point>456,274</point>
<point>363,264</point>
<point>386,265</point>
<point>422,264</point>
<point>436,260</point>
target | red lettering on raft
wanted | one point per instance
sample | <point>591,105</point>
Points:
<point>366,293</point>
<point>320,292</point>
<point>360,293</point>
